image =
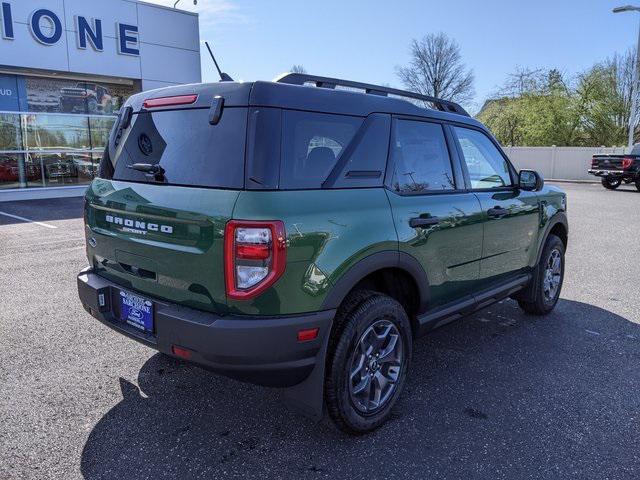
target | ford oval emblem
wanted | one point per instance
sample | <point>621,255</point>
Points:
<point>145,145</point>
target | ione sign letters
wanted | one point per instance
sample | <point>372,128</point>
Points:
<point>46,27</point>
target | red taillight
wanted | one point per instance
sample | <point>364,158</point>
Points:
<point>627,162</point>
<point>254,256</point>
<point>170,101</point>
<point>594,163</point>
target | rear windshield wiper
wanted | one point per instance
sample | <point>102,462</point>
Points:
<point>149,168</point>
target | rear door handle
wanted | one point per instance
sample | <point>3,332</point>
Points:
<point>423,222</point>
<point>497,212</point>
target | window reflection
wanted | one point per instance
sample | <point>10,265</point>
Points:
<point>56,132</point>
<point>62,169</point>
<point>60,141</point>
<point>421,158</point>
<point>100,128</point>
<point>50,150</point>
<point>486,166</point>
<point>14,173</point>
<point>10,132</point>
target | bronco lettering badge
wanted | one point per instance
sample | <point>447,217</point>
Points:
<point>137,226</point>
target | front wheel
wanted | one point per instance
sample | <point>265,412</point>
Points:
<point>611,183</point>
<point>367,363</point>
<point>547,279</point>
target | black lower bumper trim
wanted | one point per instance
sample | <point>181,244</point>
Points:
<point>260,350</point>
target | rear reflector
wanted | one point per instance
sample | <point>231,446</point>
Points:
<point>308,334</point>
<point>627,162</point>
<point>170,101</point>
<point>253,252</point>
<point>181,352</point>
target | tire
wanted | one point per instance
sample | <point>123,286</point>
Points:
<point>356,376</point>
<point>638,184</point>
<point>611,184</point>
<point>547,279</point>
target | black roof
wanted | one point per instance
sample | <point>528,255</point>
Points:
<point>299,97</point>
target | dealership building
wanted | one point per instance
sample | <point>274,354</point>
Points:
<point>66,67</point>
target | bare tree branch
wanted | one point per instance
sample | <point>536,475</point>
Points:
<point>436,69</point>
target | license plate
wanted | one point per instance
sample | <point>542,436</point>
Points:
<point>136,311</point>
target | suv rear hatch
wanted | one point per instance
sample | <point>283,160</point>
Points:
<point>160,231</point>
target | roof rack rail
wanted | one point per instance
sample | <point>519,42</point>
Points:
<point>328,82</point>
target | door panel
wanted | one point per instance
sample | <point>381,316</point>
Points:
<point>449,250</point>
<point>510,234</point>
<point>436,223</point>
<point>511,215</point>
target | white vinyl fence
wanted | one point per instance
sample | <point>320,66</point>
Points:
<point>559,163</point>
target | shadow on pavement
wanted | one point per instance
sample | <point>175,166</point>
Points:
<point>497,395</point>
<point>44,210</point>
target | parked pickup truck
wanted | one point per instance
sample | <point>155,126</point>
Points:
<point>615,169</point>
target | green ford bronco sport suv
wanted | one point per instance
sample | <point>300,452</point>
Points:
<point>302,233</point>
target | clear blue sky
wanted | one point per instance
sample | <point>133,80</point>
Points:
<point>365,40</point>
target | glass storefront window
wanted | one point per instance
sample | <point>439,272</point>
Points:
<point>100,128</point>
<point>56,132</point>
<point>10,132</point>
<point>14,173</point>
<point>58,150</point>
<point>61,169</point>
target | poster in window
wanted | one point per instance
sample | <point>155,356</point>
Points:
<point>69,96</point>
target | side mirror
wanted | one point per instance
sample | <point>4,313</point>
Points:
<point>530,180</point>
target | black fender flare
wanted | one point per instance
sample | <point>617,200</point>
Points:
<point>372,263</point>
<point>558,217</point>
<point>526,294</point>
<point>308,397</point>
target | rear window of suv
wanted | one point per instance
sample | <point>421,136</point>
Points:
<point>190,150</point>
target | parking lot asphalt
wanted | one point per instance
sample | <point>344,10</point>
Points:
<point>498,395</point>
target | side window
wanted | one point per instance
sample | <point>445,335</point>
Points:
<point>420,158</point>
<point>311,145</point>
<point>486,166</point>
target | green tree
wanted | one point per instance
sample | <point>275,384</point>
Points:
<point>535,108</point>
<point>604,93</point>
<point>538,108</point>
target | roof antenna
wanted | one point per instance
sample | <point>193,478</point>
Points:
<point>223,76</point>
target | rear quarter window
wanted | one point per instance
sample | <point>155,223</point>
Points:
<point>311,145</point>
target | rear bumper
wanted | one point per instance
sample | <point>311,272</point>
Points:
<point>613,173</point>
<point>260,350</point>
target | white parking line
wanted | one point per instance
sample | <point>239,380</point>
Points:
<point>27,220</point>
